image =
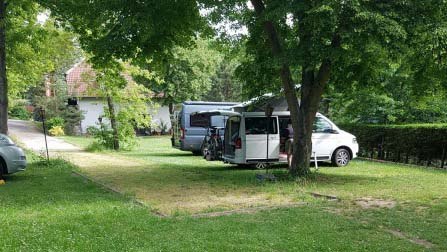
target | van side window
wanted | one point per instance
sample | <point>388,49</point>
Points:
<point>199,121</point>
<point>321,125</point>
<point>260,125</point>
<point>234,128</point>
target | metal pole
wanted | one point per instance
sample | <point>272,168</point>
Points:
<point>42,113</point>
<point>268,134</point>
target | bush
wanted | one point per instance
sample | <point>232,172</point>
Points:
<point>56,131</point>
<point>54,122</point>
<point>19,112</point>
<point>95,147</point>
<point>413,143</point>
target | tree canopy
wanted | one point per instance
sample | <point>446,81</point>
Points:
<point>343,43</point>
<point>129,29</point>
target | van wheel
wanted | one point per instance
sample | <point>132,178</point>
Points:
<point>341,157</point>
<point>204,150</point>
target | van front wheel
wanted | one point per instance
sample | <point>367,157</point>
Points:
<point>341,157</point>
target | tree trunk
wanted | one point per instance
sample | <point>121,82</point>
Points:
<point>3,79</point>
<point>116,142</point>
<point>312,87</point>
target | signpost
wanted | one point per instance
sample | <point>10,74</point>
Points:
<point>42,115</point>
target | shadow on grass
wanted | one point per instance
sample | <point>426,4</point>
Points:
<point>42,186</point>
<point>169,154</point>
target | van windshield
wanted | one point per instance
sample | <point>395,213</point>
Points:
<point>260,125</point>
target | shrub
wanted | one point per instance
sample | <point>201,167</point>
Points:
<point>56,131</point>
<point>19,112</point>
<point>95,147</point>
<point>413,143</point>
<point>55,121</point>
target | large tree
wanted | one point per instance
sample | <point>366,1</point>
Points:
<point>313,43</point>
<point>28,50</point>
<point>185,74</point>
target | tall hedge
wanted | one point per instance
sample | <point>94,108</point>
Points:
<point>414,143</point>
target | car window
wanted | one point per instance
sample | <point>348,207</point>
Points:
<point>235,123</point>
<point>322,126</point>
<point>4,140</point>
<point>199,121</point>
<point>260,125</point>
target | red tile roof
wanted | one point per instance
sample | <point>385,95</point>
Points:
<point>81,81</point>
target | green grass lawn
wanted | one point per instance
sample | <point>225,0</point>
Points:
<point>178,183</point>
<point>47,208</point>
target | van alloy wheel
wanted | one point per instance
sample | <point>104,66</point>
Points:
<point>341,158</point>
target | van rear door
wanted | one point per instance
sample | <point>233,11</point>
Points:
<point>261,139</point>
<point>232,139</point>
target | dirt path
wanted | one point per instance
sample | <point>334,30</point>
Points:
<point>33,139</point>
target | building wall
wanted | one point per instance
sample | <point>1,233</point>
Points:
<point>160,113</point>
<point>92,108</point>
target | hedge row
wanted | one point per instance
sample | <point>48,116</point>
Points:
<point>415,143</point>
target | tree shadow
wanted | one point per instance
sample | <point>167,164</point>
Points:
<point>45,187</point>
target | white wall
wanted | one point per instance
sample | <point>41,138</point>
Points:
<point>160,114</point>
<point>92,108</point>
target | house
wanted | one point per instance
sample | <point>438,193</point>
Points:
<point>81,85</point>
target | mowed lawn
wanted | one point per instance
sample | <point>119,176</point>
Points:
<point>380,207</point>
<point>47,208</point>
<point>168,176</point>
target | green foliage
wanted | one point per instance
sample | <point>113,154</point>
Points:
<point>163,127</point>
<point>187,74</point>
<point>72,117</point>
<point>103,137</point>
<point>224,85</point>
<point>35,49</point>
<point>56,106</point>
<point>126,30</point>
<point>57,131</point>
<point>131,101</point>
<point>402,143</point>
<point>55,122</point>
<point>18,111</point>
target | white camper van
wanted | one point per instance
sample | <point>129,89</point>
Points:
<point>252,138</point>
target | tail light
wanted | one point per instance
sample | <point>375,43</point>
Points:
<point>238,143</point>
<point>183,133</point>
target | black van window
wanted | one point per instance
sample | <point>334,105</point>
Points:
<point>234,128</point>
<point>260,125</point>
<point>199,121</point>
<point>321,125</point>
